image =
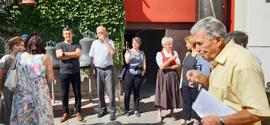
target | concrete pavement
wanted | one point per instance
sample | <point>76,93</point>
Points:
<point>148,112</point>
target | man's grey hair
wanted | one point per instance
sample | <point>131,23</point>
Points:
<point>166,40</point>
<point>212,27</point>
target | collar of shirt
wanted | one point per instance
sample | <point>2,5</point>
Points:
<point>223,55</point>
<point>102,41</point>
<point>66,42</point>
<point>166,53</point>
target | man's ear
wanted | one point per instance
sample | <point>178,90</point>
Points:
<point>219,40</point>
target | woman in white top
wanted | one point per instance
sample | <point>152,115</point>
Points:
<point>167,95</point>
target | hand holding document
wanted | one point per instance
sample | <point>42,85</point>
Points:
<point>206,104</point>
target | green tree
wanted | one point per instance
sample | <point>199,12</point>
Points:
<point>48,17</point>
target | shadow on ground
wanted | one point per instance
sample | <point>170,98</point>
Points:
<point>119,123</point>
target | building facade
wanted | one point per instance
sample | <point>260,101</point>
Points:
<point>153,19</point>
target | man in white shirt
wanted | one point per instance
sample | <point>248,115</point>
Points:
<point>101,53</point>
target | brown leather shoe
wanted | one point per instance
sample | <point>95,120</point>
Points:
<point>79,117</point>
<point>64,117</point>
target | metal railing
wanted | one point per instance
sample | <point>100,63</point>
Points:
<point>3,46</point>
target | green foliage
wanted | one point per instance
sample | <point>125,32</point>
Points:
<point>48,17</point>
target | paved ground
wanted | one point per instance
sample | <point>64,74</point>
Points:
<point>148,116</point>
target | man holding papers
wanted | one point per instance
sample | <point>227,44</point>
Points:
<point>236,78</point>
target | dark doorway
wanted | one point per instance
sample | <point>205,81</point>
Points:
<point>151,44</point>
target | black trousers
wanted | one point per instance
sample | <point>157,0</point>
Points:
<point>132,83</point>
<point>75,80</point>
<point>189,96</point>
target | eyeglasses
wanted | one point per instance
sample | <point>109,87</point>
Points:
<point>168,44</point>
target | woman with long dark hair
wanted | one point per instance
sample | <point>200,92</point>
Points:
<point>31,100</point>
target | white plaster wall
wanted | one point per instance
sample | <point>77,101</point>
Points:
<point>253,17</point>
<point>240,15</point>
<point>263,53</point>
<point>258,22</point>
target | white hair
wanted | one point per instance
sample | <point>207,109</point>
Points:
<point>101,28</point>
<point>166,40</point>
<point>212,26</point>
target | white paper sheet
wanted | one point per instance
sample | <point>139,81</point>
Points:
<point>206,104</point>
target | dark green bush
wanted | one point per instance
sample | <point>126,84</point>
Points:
<point>48,17</point>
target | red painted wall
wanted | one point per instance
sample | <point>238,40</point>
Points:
<point>160,10</point>
<point>232,15</point>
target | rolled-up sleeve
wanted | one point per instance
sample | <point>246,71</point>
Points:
<point>159,59</point>
<point>178,62</point>
<point>91,52</point>
<point>3,62</point>
<point>112,44</point>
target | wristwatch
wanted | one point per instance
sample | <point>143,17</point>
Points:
<point>221,121</point>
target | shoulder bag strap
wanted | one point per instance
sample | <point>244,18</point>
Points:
<point>14,63</point>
